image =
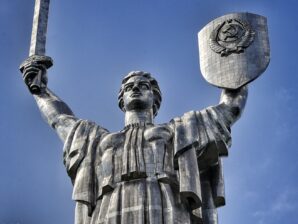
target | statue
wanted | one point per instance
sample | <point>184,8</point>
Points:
<point>147,172</point>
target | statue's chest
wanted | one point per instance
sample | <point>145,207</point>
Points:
<point>138,152</point>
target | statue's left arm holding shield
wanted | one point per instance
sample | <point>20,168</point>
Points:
<point>232,103</point>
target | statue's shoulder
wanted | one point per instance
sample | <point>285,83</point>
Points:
<point>158,131</point>
<point>112,139</point>
<point>185,118</point>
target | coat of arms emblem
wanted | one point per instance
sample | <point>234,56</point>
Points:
<point>231,36</point>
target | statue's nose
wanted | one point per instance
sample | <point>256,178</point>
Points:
<point>135,88</point>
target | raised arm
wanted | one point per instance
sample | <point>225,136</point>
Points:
<point>58,115</point>
<point>232,103</point>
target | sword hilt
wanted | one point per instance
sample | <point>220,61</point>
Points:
<point>36,79</point>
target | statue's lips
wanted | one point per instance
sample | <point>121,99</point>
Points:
<point>135,95</point>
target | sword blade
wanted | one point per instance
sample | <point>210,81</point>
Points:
<point>39,28</point>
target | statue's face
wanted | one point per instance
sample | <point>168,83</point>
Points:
<point>138,94</point>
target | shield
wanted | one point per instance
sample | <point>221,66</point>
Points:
<point>234,49</point>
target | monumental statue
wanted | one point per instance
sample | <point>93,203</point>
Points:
<point>146,172</point>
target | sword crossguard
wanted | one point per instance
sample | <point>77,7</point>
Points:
<point>37,59</point>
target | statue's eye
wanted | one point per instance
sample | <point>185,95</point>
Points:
<point>144,86</point>
<point>128,88</point>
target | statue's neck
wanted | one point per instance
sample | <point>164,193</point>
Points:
<point>139,117</point>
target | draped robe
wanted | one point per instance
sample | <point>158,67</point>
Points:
<point>146,173</point>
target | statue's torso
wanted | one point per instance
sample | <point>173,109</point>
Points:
<point>137,178</point>
<point>146,174</point>
<point>138,152</point>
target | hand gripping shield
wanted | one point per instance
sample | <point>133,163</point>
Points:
<point>234,49</point>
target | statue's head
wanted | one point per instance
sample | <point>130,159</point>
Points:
<point>139,91</point>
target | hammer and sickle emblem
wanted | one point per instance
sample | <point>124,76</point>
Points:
<point>231,36</point>
<point>230,33</point>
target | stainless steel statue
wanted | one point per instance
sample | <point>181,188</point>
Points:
<point>156,173</point>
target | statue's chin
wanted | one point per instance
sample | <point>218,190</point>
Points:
<point>137,105</point>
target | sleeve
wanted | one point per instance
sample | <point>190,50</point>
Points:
<point>215,127</point>
<point>214,136</point>
<point>208,131</point>
<point>205,136</point>
<point>81,157</point>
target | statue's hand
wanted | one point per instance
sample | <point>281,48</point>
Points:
<point>35,77</point>
<point>34,71</point>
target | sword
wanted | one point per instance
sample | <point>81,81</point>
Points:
<point>37,46</point>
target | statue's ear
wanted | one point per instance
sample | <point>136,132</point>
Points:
<point>155,109</point>
<point>121,105</point>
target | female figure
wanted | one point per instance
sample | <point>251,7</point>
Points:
<point>145,173</point>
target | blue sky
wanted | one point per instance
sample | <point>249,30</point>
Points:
<point>94,44</point>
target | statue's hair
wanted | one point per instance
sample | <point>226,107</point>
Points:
<point>154,85</point>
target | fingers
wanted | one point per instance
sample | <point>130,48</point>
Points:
<point>34,72</point>
<point>31,70</point>
<point>34,68</point>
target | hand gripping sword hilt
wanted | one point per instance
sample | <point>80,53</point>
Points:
<point>36,81</point>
